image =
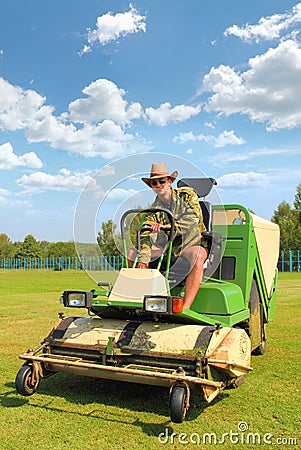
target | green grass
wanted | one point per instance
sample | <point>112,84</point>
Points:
<point>71,412</point>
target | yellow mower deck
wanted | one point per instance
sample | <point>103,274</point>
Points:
<point>147,352</point>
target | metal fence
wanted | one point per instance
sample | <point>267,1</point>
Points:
<point>64,263</point>
<point>289,261</point>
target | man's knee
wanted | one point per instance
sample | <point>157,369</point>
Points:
<point>132,252</point>
<point>203,254</point>
<point>195,255</point>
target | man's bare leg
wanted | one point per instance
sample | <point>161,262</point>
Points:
<point>196,256</point>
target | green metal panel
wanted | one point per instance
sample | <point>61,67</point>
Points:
<point>231,320</point>
<point>221,298</point>
<point>241,244</point>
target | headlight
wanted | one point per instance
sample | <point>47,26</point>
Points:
<point>156,304</point>
<point>77,299</point>
<point>163,304</point>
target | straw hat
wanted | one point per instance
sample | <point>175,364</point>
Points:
<point>159,170</point>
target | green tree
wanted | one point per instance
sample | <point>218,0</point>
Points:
<point>297,202</point>
<point>7,248</point>
<point>45,245</point>
<point>107,240</point>
<point>290,229</point>
<point>30,248</point>
<point>57,249</point>
<point>87,249</point>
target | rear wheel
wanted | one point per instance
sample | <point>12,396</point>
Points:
<point>178,403</point>
<point>257,329</point>
<point>27,381</point>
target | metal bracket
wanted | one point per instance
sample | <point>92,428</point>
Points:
<point>109,351</point>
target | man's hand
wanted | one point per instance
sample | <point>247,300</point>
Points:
<point>142,266</point>
<point>155,228</point>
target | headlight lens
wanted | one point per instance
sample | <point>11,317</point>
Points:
<point>156,304</point>
<point>77,299</point>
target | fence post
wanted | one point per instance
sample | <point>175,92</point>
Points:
<point>290,260</point>
<point>298,260</point>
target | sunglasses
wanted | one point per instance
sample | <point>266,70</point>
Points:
<point>161,181</point>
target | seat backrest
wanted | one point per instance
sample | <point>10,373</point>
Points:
<point>206,208</point>
<point>202,187</point>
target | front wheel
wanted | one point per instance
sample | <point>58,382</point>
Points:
<point>261,349</point>
<point>27,381</point>
<point>178,403</point>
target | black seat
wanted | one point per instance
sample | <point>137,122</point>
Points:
<point>179,269</point>
<point>203,187</point>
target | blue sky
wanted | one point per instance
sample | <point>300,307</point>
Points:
<point>87,87</point>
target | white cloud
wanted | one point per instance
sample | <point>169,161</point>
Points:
<point>120,194</point>
<point>270,91</point>
<point>228,138</point>
<point>4,193</point>
<point>105,101</point>
<point>20,108</point>
<point>242,180</point>
<point>209,125</point>
<point>111,27</point>
<point>107,171</point>
<point>97,135</point>
<point>64,180</point>
<point>95,125</point>
<point>105,139</point>
<point>221,159</point>
<point>190,136</point>
<point>223,139</point>
<point>268,28</point>
<point>85,49</point>
<point>9,160</point>
<point>8,199</point>
<point>166,114</point>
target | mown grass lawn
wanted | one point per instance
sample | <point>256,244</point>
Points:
<point>70,412</point>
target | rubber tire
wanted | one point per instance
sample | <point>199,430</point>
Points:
<point>23,381</point>
<point>178,404</point>
<point>238,382</point>
<point>261,349</point>
<point>253,302</point>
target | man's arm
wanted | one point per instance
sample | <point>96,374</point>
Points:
<point>145,240</point>
<point>192,202</point>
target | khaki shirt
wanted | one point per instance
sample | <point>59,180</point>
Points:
<point>188,217</point>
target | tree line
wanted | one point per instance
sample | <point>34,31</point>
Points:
<point>286,216</point>
<point>31,248</point>
<point>289,220</point>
